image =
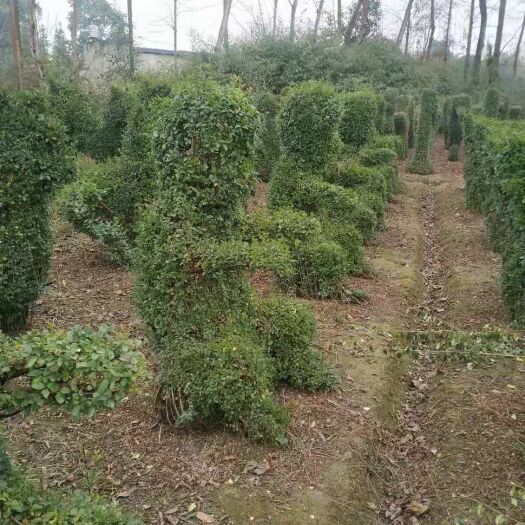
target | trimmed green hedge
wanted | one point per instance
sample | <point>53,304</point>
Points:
<point>421,161</point>
<point>358,117</point>
<point>491,103</point>
<point>35,159</point>
<point>401,126</point>
<point>495,185</point>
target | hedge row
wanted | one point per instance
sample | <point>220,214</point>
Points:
<point>495,185</point>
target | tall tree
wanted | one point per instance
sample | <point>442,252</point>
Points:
<point>432,29</point>
<point>404,23</point>
<point>476,64</point>
<point>409,25</point>
<point>222,39</point>
<point>130,38</point>
<point>340,16</point>
<point>293,6</point>
<point>499,36</point>
<point>365,22</point>
<point>469,38</point>
<point>74,33</point>
<point>352,23</point>
<point>447,34</point>
<point>517,52</point>
<point>318,13</point>
<point>14,29</point>
<point>33,38</point>
<point>274,17</point>
<point>175,26</point>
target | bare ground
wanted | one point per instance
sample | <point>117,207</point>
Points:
<point>360,455</point>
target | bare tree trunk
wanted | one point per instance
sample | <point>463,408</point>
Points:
<point>404,23</point>
<point>318,15</point>
<point>74,33</point>
<point>293,5</point>
<point>14,29</point>
<point>432,29</point>
<point>33,37</point>
<point>349,31</point>
<point>499,36</point>
<point>365,25</point>
<point>469,38</point>
<point>447,36</point>
<point>222,39</point>
<point>274,18</point>
<point>175,28</point>
<point>409,23</point>
<point>130,31</point>
<point>340,16</point>
<point>517,53</point>
<point>476,64</point>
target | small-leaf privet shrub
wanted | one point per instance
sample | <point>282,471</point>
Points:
<point>35,159</point>
<point>515,112</point>
<point>457,106</point>
<point>392,142</point>
<point>267,149</point>
<point>494,167</point>
<point>104,200</point>
<point>421,160</point>
<point>401,125</point>
<point>381,116</point>
<point>81,371</point>
<point>192,262</point>
<point>357,120</point>
<point>412,124</point>
<point>308,122</point>
<point>491,102</point>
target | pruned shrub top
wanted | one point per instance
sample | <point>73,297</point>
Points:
<point>359,112</point>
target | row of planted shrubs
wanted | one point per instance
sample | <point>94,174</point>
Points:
<point>495,185</point>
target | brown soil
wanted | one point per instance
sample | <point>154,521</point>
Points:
<point>359,455</point>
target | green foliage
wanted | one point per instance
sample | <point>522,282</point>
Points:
<point>267,149</point>
<point>81,371</point>
<point>288,327</point>
<point>515,112</point>
<point>453,152</point>
<point>401,126</point>
<point>456,108</point>
<point>495,160</point>
<point>412,124</point>
<point>421,160</point>
<point>376,156</point>
<point>357,121</point>
<point>34,160</point>
<point>76,109</point>
<point>308,121</point>
<point>192,263</point>
<point>392,142</point>
<point>491,102</point>
<point>22,501</point>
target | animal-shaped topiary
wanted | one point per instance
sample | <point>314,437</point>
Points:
<point>192,264</point>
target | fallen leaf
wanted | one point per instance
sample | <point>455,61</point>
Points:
<point>204,518</point>
<point>192,507</point>
<point>418,508</point>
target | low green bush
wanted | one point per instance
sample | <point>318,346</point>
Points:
<point>287,328</point>
<point>494,183</point>
<point>307,121</point>
<point>35,159</point>
<point>376,156</point>
<point>357,120</point>
<point>421,161</point>
<point>491,102</point>
<point>453,152</point>
<point>412,124</point>
<point>392,142</point>
<point>401,125</point>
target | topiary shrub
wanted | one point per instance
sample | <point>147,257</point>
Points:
<point>381,116</point>
<point>457,106</point>
<point>192,263</point>
<point>288,329</point>
<point>377,156</point>
<point>421,160</point>
<point>401,125</point>
<point>357,121</point>
<point>307,123</point>
<point>267,149</point>
<point>412,124</point>
<point>34,160</point>
<point>491,102</point>
<point>515,112</point>
<point>392,142</point>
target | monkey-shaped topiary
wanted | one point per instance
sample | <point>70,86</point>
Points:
<point>192,264</point>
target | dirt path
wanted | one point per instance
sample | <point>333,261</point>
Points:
<point>397,432</point>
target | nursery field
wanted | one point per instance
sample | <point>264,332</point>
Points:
<point>399,441</point>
